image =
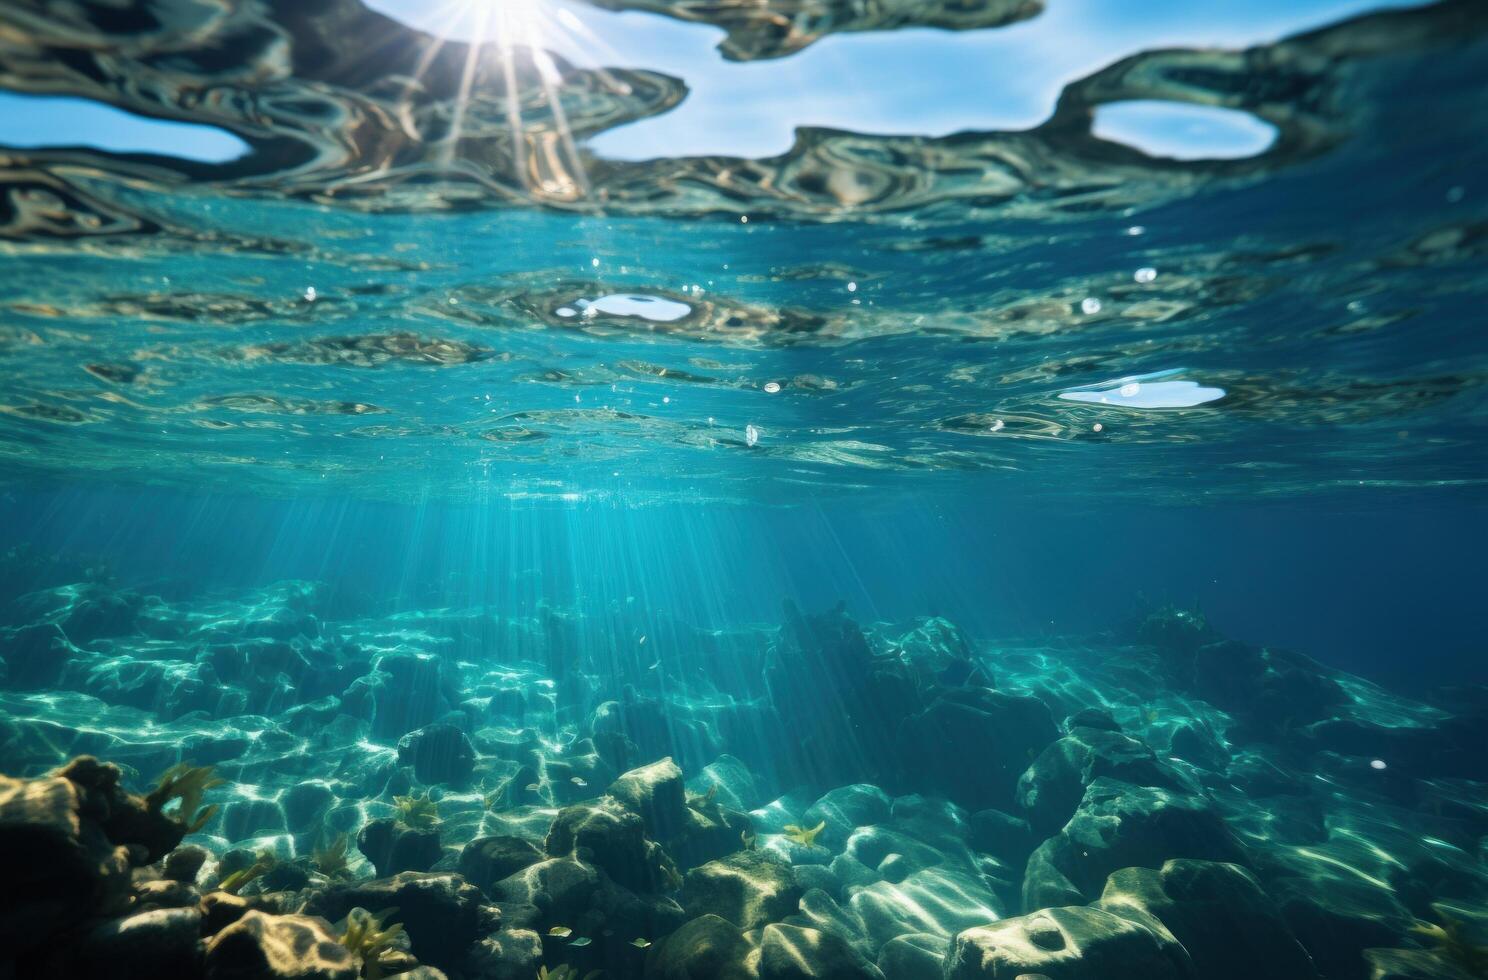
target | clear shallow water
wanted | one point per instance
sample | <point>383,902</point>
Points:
<point>467,436</point>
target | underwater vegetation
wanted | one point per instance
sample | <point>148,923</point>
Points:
<point>188,785</point>
<point>368,937</point>
<point>417,811</point>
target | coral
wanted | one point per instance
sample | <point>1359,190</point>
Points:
<point>417,811</point>
<point>329,858</point>
<point>368,937</point>
<point>188,784</point>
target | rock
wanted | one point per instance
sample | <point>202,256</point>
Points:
<point>552,892</point>
<point>844,810</point>
<point>162,943</point>
<point>794,953</point>
<point>1268,687</point>
<point>487,860</point>
<point>278,947</point>
<point>101,613</point>
<point>1195,743</point>
<point>124,817</point>
<point>1008,730</point>
<point>848,872</point>
<point>657,794</point>
<point>185,863</point>
<point>735,784</point>
<point>221,909</point>
<point>1098,718</point>
<point>709,831</point>
<point>244,819</point>
<point>1206,905</point>
<point>440,912</point>
<point>59,866</point>
<point>939,901</point>
<point>285,876</point>
<point>165,894</point>
<point>856,740</point>
<point>404,691</point>
<point>912,957</point>
<point>611,836</point>
<point>438,753</point>
<point>1066,944</point>
<point>1001,835</point>
<point>748,888</point>
<point>707,948</point>
<point>1054,784</point>
<point>393,847</point>
<point>306,804</point>
<point>1335,917</point>
<point>1119,825</point>
<point>511,954</point>
<point>34,656</point>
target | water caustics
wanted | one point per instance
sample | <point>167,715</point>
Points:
<point>418,266</point>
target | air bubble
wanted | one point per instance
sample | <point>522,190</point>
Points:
<point>1090,306</point>
<point>1145,274</point>
<point>771,387</point>
<point>751,435</point>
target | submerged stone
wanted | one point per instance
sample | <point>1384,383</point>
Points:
<point>1067,944</point>
<point>749,889</point>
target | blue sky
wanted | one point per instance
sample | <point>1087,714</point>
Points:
<point>912,81</point>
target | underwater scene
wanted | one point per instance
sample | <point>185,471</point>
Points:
<point>743,489</point>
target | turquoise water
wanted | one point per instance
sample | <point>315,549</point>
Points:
<point>1029,513</point>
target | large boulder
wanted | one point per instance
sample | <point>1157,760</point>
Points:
<point>730,781</point>
<point>707,948</point>
<point>59,867</point>
<point>567,892</point>
<point>259,946</point>
<point>33,657</point>
<point>940,901</point>
<point>438,753</point>
<point>442,913</point>
<point>1067,944</point>
<point>611,836</point>
<point>657,794</point>
<point>1119,825</point>
<point>826,653</point>
<point>510,954</point>
<point>393,847</point>
<point>845,809</point>
<point>796,953</point>
<point>748,888</point>
<point>487,860</point>
<point>1008,730</point>
<point>915,956</point>
<point>1206,905</point>
<point>404,691</point>
<point>147,946</point>
<point>1052,787</point>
